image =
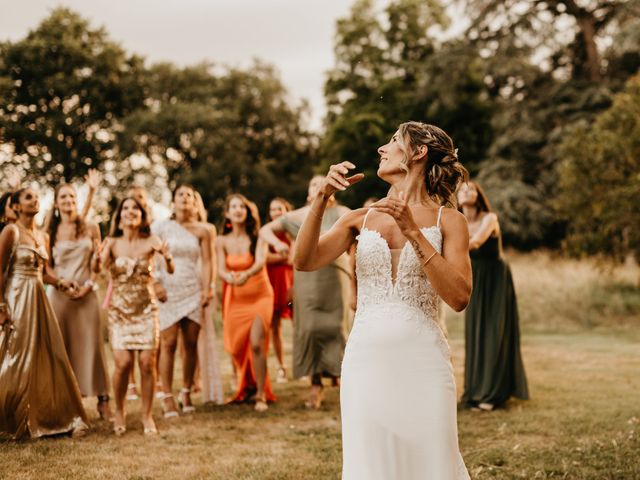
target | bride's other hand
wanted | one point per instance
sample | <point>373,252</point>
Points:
<point>399,209</point>
<point>337,180</point>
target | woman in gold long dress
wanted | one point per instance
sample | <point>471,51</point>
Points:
<point>128,253</point>
<point>39,394</point>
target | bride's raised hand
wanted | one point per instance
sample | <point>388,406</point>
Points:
<point>399,209</point>
<point>337,179</point>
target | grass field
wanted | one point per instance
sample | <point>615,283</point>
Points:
<point>581,347</point>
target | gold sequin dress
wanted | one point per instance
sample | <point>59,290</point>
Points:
<point>133,312</point>
<point>39,394</point>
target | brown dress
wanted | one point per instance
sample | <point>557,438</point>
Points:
<point>133,311</point>
<point>39,394</point>
<point>80,319</point>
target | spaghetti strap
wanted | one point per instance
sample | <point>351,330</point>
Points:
<point>439,216</point>
<point>365,218</point>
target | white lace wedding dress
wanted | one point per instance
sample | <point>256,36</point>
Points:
<point>398,393</point>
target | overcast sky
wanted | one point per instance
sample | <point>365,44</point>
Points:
<point>294,35</point>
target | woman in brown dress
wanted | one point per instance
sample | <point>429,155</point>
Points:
<point>72,245</point>
<point>128,254</point>
<point>39,394</point>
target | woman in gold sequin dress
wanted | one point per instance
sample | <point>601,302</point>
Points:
<point>39,394</point>
<point>128,253</point>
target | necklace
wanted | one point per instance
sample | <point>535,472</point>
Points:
<point>31,234</point>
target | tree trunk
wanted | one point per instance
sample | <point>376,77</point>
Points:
<point>588,29</point>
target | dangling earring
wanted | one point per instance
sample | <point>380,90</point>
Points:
<point>227,224</point>
<point>56,212</point>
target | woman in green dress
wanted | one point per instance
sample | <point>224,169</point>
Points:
<point>321,301</point>
<point>493,365</point>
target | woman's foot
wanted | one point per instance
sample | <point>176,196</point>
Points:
<point>104,411</point>
<point>119,423</point>
<point>149,426</point>
<point>281,375</point>
<point>486,407</point>
<point>315,397</point>
<point>184,400</point>
<point>169,409</point>
<point>132,392</point>
<point>159,392</point>
<point>261,404</point>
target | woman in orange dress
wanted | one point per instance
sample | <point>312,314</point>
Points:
<point>247,303</point>
<point>281,277</point>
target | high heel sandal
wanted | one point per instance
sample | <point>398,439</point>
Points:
<point>132,392</point>
<point>281,377</point>
<point>103,408</point>
<point>151,430</point>
<point>182,402</point>
<point>168,413</point>
<point>315,397</point>
<point>120,429</point>
<point>261,405</point>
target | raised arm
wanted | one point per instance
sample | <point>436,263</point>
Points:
<point>93,179</point>
<point>313,251</point>
<point>162,248</point>
<point>488,226</point>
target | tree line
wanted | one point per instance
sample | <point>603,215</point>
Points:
<point>541,97</point>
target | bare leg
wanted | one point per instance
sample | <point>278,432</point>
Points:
<point>169,339</point>
<point>277,339</point>
<point>123,360</point>
<point>256,338</point>
<point>190,331</point>
<point>316,393</point>
<point>146,362</point>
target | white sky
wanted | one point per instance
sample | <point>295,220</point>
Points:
<point>294,35</point>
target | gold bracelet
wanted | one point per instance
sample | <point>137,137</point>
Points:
<point>428,259</point>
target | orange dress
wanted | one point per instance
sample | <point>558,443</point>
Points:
<point>241,304</point>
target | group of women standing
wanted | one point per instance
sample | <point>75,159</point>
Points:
<point>409,251</point>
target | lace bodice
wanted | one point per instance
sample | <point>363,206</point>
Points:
<point>373,269</point>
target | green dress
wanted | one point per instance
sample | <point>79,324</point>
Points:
<point>493,365</point>
<point>320,309</point>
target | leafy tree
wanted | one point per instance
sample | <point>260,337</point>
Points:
<point>391,68</point>
<point>63,90</point>
<point>231,132</point>
<point>600,180</point>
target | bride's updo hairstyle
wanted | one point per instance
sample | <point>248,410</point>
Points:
<point>443,171</point>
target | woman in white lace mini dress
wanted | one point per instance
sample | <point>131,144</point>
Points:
<point>188,291</point>
<point>398,393</point>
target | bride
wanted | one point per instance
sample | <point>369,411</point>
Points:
<point>398,394</point>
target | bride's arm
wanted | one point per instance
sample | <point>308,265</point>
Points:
<point>313,251</point>
<point>449,272</point>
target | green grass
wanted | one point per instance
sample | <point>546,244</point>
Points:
<point>582,422</point>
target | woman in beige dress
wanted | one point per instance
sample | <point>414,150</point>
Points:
<point>72,245</point>
<point>128,253</point>
<point>39,394</point>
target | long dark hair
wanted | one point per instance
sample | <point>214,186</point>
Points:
<point>55,218</point>
<point>251,224</point>
<point>285,203</point>
<point>5,201</point>
<point>482,201</point>
<point>115,230</point>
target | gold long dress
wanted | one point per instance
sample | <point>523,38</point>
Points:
<point>39,394</point>
<point>133,312</point>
